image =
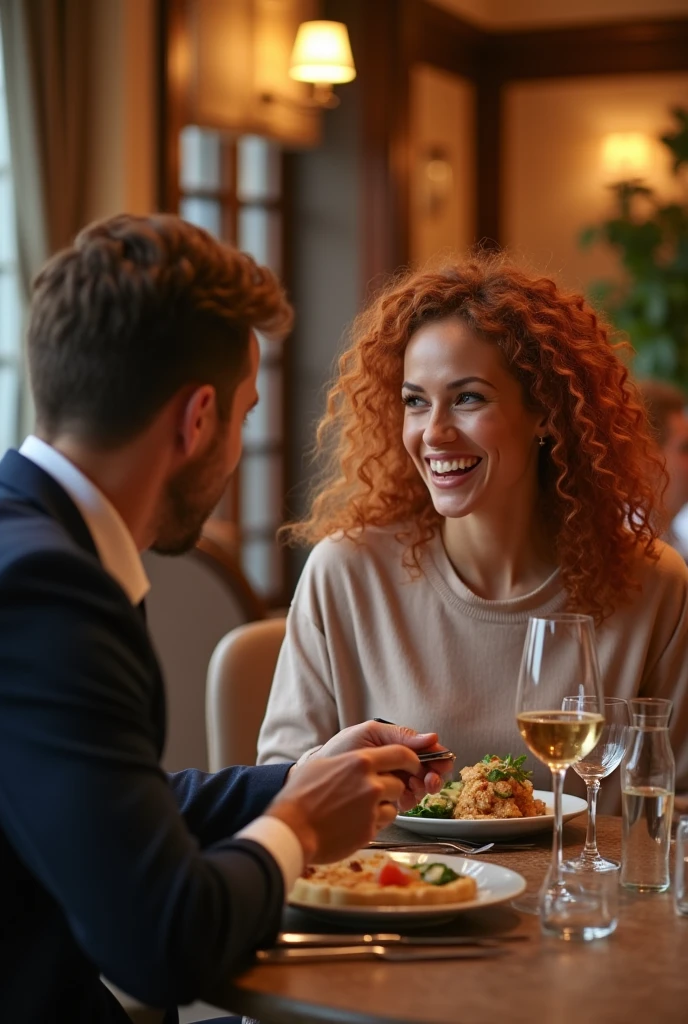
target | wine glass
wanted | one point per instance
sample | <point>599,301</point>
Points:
<point>559,660</point>
<point>602,760</point>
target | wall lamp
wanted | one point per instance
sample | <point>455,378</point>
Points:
<point>626,155</point>
<point>322,57</point>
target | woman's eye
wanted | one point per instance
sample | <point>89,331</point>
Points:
<point>412,401</point>
<point>469,397</point>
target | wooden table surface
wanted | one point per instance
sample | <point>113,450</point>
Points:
<point>640,973</point>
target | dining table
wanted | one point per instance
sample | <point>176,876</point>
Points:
<point>639,973</point>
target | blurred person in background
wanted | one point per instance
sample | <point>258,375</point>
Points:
<point>666,409</point>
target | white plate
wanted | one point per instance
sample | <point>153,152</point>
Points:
<point>486,829</point>
<point>495,885</point>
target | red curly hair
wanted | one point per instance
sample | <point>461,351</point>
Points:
<point>598,472</point>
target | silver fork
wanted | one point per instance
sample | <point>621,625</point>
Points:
<point>430,847</point>
<point>497,843</point>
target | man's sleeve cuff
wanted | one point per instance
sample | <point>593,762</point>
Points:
<point>281,842</point>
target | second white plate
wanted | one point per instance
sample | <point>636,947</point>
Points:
<point>494,829</point>
<point>496,884</point>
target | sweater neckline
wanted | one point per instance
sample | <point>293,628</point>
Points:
<point>550,596</point>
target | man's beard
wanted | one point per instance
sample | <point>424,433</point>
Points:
<point>189,498</point>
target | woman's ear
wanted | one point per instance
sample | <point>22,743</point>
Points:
<point>542,425</point>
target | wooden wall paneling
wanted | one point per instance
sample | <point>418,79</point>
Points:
<point>377,43</point>
<point>607,49</point>
<point>173,79</point>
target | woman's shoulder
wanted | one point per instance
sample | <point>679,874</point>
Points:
<point>360,547</point>
<point>664,568</point>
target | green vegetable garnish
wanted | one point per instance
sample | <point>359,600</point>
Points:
<point>507,769</point>
<point>437,874</point>
<point>438,805</point>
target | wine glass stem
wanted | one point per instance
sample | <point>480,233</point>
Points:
<point>590,850</point>
<point>557,846</point>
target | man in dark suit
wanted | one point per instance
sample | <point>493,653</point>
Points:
<point>143,362</point>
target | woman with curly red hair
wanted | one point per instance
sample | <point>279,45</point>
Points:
<point>487,459</point>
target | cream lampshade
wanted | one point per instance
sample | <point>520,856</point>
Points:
<point>322,53</point>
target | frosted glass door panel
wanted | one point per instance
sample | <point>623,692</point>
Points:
<point>262,563</point>
<point>258,169</point>
<point>261,492</point>
<point>201,159</point>
<point>265,424</point>
<point>260,233</point>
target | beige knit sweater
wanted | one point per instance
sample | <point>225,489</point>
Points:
<point>364,641</point>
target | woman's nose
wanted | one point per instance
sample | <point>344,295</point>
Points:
<point>440,430</point>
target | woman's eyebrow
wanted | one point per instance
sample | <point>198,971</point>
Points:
<point>468,380</point>
<point>454,384</point>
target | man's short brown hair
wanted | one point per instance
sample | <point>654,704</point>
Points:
<point>134,310</point>
<point>662,401</point>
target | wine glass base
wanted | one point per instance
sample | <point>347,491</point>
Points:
<point>528,903</point>
<point>597,863</point>
<point>578,933</point>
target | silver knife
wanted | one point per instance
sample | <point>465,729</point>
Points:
<point>305,940</point>
<point>298,954</point>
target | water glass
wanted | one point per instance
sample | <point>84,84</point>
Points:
<point>681,867</point>
<point>586,907</point>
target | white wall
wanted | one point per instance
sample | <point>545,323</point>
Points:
<point>553,177</point>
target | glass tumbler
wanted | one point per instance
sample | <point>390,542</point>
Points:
<point>681,867</point>
<point>586,908</point>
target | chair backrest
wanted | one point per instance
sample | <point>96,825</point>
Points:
<point>194,600</point>
<point>239,679</point>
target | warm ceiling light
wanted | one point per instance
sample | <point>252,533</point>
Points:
<point>626,154</point>
<point>322,53</point>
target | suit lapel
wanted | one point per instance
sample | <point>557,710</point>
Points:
<point>22,480</point>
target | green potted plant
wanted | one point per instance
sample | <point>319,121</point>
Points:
<point>651,238</point>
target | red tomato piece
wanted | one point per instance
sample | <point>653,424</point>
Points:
<point>392,874</point>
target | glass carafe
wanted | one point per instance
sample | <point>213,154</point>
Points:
<point>647,791</point>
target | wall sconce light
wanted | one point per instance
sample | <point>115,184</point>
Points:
<point>437,180</point>
<point>322,57</point>
<point>626,155</point>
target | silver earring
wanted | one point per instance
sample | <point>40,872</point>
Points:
<point>541,442</point>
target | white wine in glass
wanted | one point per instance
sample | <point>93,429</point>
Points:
<point>559,660</point>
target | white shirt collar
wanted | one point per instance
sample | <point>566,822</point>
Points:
<point>114,542</point>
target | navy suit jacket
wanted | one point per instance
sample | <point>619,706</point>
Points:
<point>107,864</point>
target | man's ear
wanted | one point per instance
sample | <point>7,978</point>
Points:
<point>197,420</point>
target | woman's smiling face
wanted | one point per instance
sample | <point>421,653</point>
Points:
<point>466,426</point>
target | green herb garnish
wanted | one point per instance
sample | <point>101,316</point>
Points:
<point>507,769</point>
<point>438,805</point>
<point>437,874</point>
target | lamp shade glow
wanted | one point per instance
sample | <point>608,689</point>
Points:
<point>626,153</point>
<point>322,53</point>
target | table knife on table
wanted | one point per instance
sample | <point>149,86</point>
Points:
<point>372,951</point>
<point>306,940</point>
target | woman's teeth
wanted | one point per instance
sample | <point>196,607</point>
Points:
<point>445,466</point>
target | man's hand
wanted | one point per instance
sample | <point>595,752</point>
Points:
<point>367,735</point>
<point>337,804</point>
